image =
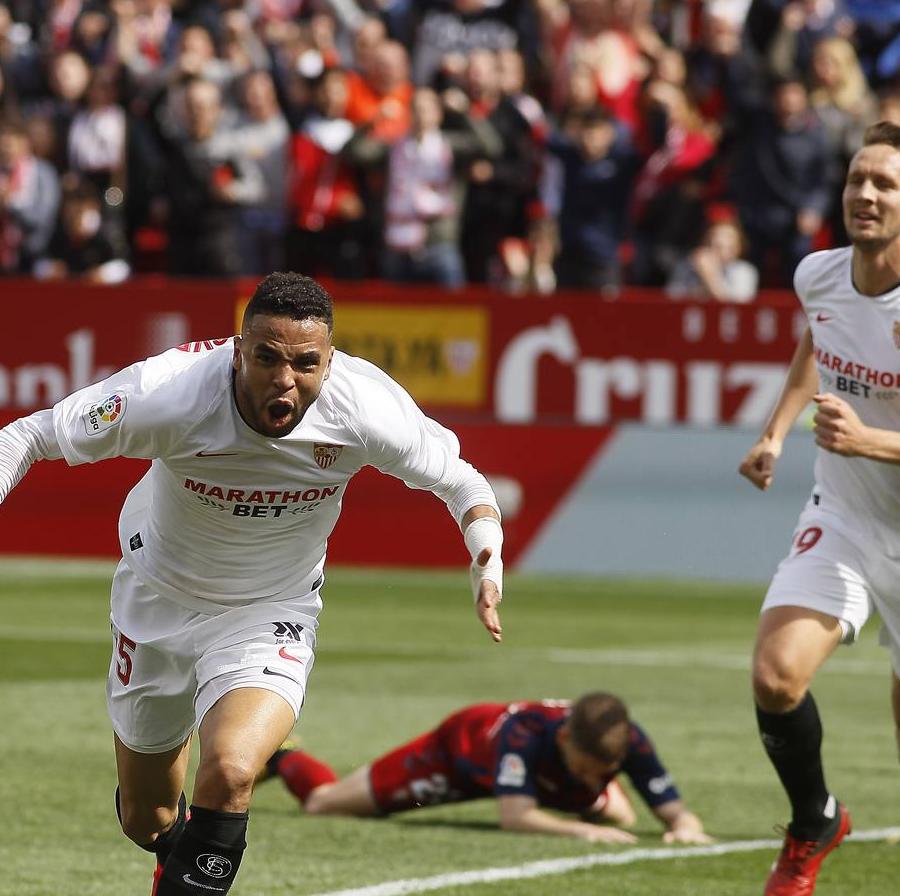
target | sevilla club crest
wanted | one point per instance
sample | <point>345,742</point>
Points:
<point>326,455</point>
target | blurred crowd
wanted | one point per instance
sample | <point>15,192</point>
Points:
<point>535,145</point>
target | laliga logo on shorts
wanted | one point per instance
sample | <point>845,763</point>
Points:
<point>213,866</point>
<point>101,416</point>
<point>326,455</point>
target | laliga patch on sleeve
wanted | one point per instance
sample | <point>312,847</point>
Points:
<point>512,771</point>
<point>104,414</point>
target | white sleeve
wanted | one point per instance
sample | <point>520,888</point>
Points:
<point>23,442</point>
<point>132,413</point>
<point>404,443</point>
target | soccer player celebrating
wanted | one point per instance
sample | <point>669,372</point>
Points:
<point>844,553</point>
<point>215,601</point>
<point>548,753</point>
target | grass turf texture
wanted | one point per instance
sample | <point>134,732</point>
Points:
<point>397,651</point>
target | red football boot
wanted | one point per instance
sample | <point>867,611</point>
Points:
<point>795,872</point>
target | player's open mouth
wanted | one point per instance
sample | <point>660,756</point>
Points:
<point>279,410</point>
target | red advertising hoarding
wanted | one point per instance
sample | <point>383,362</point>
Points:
<point>530,385</point>
<point>656,362</point>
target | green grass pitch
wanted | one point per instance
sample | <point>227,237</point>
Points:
<point>399,650</point>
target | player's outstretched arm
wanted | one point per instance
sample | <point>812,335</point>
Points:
<point>404,443</point>
<point>483,535</point>
<point>682,826</point>
<point>800,385</point>
<point>522,814</point>
<point>23,442</point>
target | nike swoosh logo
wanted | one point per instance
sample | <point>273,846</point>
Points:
<point>286,656</point>
<point>194,883</point>
<point>823,318</point>
<point>216,454</point>
<point>268,671</point>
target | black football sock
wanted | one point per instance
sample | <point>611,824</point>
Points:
<point>793,741</point>
<point>273,760</point>
<point>163,844</point>
<point>207,855</point>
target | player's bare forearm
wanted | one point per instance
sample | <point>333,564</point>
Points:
<point>522,814</point>
<point>838,429</point>
<point>799,387</point>
<point>800,384</point>
<point>881,445</point>
<point>682,826</point>
<point>477,512</point>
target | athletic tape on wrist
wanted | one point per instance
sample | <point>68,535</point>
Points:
<point>485,532</point>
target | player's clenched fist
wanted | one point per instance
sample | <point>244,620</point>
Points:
<point>759,464</point>
<point>837,426</point>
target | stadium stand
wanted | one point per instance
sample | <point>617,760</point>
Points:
<point>625,130</point>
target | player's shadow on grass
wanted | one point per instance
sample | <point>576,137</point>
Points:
<point>473,825</point>
<point>646,836</point>
<point>467,824</point>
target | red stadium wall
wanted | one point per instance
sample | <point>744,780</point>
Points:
<point>533,387</point>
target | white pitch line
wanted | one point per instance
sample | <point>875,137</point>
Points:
<point>549,867</point>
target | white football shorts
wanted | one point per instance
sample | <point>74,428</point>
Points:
<point>170,664</point>
<point>840,565</point>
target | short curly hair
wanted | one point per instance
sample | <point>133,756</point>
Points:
<point>288,294</point>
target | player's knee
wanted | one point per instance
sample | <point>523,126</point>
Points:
<point>225,782</point>
<point>776,688</point>
<point>142,824</point>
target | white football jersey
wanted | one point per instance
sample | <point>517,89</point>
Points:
<point>226,515</point>
<point>856,341</point>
